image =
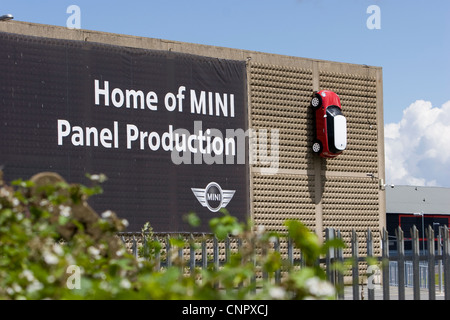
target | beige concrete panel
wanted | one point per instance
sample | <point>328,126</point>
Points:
<point>282,197</point>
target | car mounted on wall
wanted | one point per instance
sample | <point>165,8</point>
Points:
<point>330,124</point>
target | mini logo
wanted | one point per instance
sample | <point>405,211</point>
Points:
<point>213,197</point>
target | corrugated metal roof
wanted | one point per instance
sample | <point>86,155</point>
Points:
<point>415,199</point>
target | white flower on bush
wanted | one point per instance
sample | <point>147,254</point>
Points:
<point>64,211</point>
<point>260,229</point>
<point>27,274</point>
<point>57,248</point>
<point>95,177</point>
<point>4,193</point>
<point>107,214</point>
<point>277,293</point>
<point>15,202</point>
<point>35,286</point>
<point>99,275</point>
<point>94,252</point>
<point>319,288</point>
<point>125,284</point>
<point>50,258</point>
<point>16,287</point>
<point>104,285</point>
<point>70,259</point>
<point>120,252</point>
<point>98,177</point>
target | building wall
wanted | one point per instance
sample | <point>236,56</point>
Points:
<point>417,205</point>
<point>342,193</point>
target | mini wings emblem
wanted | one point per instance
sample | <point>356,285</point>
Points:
<point>213,197</point>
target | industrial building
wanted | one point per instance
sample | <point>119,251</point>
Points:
<point>419,206</point>
<point>344,193</point>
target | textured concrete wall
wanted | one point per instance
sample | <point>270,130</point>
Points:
<point>344,192</point>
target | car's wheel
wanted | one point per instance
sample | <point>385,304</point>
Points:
<point>316,101</point>
<point>316,146</point>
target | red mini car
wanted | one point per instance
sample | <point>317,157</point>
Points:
<point>330,124</point>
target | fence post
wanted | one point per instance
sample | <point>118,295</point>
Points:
<point>416,253</point>
<point>158,257</point>
<point>370,289</point>
<point>145,248</point>
<point>181,255</point>
<point>340,274</point>
<point>446,263</point>
<point>385,263</point>
<point>431,264</point>
<point>168,252</point>
<point>329,234</point>
<point>192,254</point>
<point>278,271</point>
<point>227,254</point>
<point>401,263</point>
<point>290,252</point>
<point>239,247</point>
<point>227,249</point>
<point>439,252</point>
<point>204,253</point>
<point>135,249</point>
<point>216,258</point>
<point>355,264</point>
<point>253,277</point>
<point>216,253</point>
<point>264,252</point>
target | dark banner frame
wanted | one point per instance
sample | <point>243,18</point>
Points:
<point>74,107</point>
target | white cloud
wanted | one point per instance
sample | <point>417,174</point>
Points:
<point>418,147</point>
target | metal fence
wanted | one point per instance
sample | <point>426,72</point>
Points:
<point>426,269</point>
<point>409,274</point>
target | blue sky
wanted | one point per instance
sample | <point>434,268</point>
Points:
<point>412,46</point>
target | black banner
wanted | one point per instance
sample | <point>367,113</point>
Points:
<point>167,129</point>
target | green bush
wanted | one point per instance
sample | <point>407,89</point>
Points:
<point>41,259</point>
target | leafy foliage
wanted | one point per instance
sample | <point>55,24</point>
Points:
<point>36,262</point>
